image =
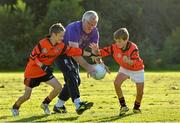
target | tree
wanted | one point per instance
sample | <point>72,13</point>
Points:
<point>171,51</point>
<point>38,8</point>
<point>16,32</point>
<point>60,11</point>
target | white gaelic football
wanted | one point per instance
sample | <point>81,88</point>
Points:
<point>99,73</point>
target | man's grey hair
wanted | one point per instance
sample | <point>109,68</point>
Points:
<point>90,14</point>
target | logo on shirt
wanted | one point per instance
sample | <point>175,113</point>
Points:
<point>47,56</point>
<point>57,49</point>
<point>119,55</point>
<point>84,40</point>
<point>44,50</point>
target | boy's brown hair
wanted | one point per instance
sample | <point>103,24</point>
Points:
<point>121,33</point>
<point>56,28</point>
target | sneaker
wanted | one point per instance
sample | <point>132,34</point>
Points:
<point>136,111</point>
<point>83,107</point>
<point>15,112</point>
<point>123,110</point>
<point>59,109</point>
<point>45,108</point>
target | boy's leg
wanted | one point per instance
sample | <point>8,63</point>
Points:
<point>56,89</point>
<point>21,100</point>
<point>120,78</point>
<point>139,95</point>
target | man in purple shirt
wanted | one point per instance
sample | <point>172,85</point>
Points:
<point>78,34</point>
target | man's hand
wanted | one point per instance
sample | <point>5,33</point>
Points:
<point>94,48</point>
<point>94,57</point>
<point>91,69</point>
<point>107,69</point>
<point>47,69</point>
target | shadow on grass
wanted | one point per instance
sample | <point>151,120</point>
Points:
<point>110,119</point>
<point>5,117</point>
<point>37,118</point>
<point>60,119</point>
<point>30,119</point>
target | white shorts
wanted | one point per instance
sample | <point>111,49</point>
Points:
<point>135,76</point>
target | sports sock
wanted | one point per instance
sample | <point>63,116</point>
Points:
<point>76,102</point>
<point>60,103</point>
<point>46,100</point>
<point>122,102</point>
<point>136,105</point>
<point>15,106</point>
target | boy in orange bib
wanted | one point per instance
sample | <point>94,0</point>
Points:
<point>126,54</point>
<point>38,68</point>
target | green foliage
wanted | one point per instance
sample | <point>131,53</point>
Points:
<point>8,58</point>
<point>171,51</point>
<point>8,2</point>
<point>39,8</point>
<point>105,36</point>
<point>149,23</point>
<point>16,31</point>
<point>59,11</point>
<point>152,24</point>
<point>149,54</point>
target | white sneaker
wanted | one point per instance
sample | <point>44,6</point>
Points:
<point>45,108</point>
<point>15,112</point>
<point>123,110</point>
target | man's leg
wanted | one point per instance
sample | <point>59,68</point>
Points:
<point>70,89</point>
<point>67,67</point>
<point>73,81</point>
<point>70,71</point>
<point>62,62</point>
<point>65,93</point>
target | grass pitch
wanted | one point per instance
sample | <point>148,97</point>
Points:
<point>161,101</point>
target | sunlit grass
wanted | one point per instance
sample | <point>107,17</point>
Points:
<point>161,100</point>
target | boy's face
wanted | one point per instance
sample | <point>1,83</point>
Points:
<point>121,43</point>
<point>58,36</point>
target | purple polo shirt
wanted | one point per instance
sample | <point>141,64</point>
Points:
<point>75,33</point>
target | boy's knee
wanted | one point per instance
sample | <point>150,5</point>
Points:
<point>58,87</point>
<point>117,83</point>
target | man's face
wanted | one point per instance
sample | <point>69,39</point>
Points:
<point>89,25</point>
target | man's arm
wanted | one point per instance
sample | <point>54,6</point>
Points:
<point>80,59</point>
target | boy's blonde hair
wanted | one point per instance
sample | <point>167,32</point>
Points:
<point>121,33</point>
